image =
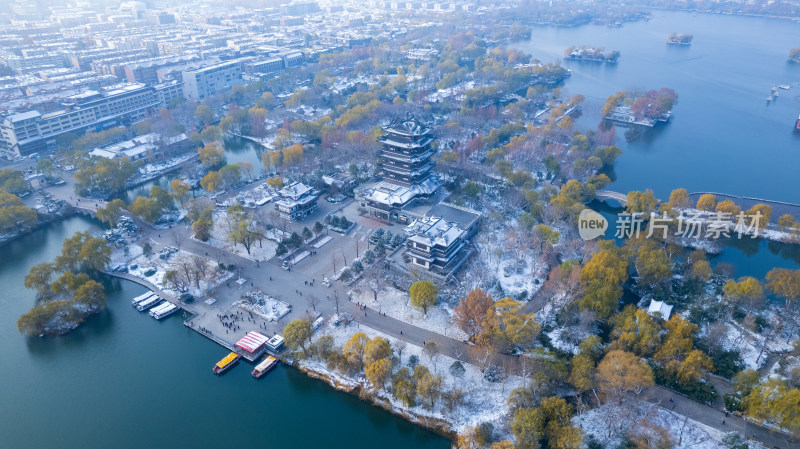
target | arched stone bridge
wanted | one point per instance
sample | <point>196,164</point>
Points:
<point>603,195</point>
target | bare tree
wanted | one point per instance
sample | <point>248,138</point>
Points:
<point>458,351</point>
<point>432,351</point>
<point>399,347</point>
<point>177,237</point>
<point>481,354</point>
<point>313,300</point>
<point>200,265</point>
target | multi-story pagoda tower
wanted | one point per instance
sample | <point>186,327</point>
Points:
<point>405,163</point>
<point>405,157</point>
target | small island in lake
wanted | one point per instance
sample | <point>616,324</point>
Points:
<point>680,39</point>
<point>592,54</point>
<point>794,55</point>
<point>635,108</point>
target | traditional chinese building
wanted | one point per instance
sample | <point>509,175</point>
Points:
<point>405,163</point>
<point>405,156</point>
<point>438,241</point>
<point>297,201</point>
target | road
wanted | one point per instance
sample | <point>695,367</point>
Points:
<point>713,417</point>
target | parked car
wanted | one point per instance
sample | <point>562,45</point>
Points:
<point>338,198</point>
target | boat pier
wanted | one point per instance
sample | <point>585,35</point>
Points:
<point>206,321</point>
<point>204,318</point>
<point>228,342</point>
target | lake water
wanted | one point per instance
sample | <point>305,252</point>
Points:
<point>236,150</point>
<point>242,150</point>
<point>125,380</point>
<point>723,137</point>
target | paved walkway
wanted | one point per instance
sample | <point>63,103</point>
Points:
<point>715,418</point>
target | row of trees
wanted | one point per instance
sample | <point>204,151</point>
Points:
<point>413,384</point>
<point>102,175</point>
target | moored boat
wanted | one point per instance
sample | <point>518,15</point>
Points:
<point>226,363</point>
<point>147,303</point>
<point>163,310</point>
<point>265,366</point>
<point>143,297</point>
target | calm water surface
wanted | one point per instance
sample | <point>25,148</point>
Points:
<point>723,136</point>
<point>125,380</point>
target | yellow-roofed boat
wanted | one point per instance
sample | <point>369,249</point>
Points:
<point>226,363</point>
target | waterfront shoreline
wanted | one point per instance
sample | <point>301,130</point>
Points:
<point>54,218</point>
<point>438,426</point>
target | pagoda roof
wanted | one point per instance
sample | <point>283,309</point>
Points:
<point>407,126</point>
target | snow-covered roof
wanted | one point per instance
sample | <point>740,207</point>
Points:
<point>432,231</point>
<point>138,151</point>
<point>296,190</point>
<point>393,194</point>
<point>408,126</point>
<point>103,153</point>
<point>661,307</point>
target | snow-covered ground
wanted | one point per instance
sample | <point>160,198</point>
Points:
<point>180,262</point>
<point>567,338</point>
<point>120,257</point>
<point>519,282</point>
<point>750,344</point>
<point>263,305</point>
<point>396,304</point>
<point>617,420</point>
<point>263,250</point>
<point>493,265</point>
<point>257,196</point>
<point>483,401</point>
<point>443,94</point>
<point>158,167</point>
